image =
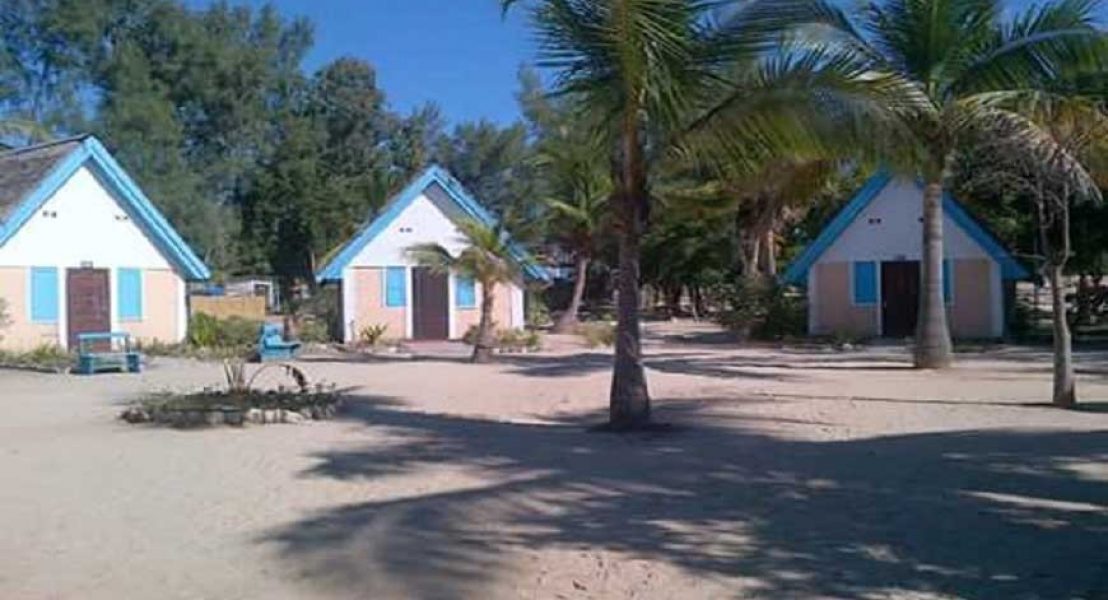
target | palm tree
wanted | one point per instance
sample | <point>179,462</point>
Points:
<point>572,164</point>
<point>487,260</point>
<point>652,77</point>
<point>966,63</point>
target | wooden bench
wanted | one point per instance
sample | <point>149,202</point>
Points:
<point>101,352</point>
<point>272,346</point>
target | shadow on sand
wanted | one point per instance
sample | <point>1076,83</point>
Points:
<point>980,514</point>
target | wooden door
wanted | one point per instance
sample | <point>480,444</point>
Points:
<point>88,302</point>
<point>899,298</point>
<point>430,305</point>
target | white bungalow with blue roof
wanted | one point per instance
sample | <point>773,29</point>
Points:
<point>381,285</point>
<point>83,250</point>
<point>862,273</point>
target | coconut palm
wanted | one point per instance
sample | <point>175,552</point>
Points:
<point>573,165</point>
<point>487,260</point>
<point>967,63</point>
<point>652,77</point>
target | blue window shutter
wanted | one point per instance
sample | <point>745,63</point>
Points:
<point>947,283</point>
<point>865,283</point>
<point>465,292</point>
<point>129,294</point>
<point>396,287</point>
<point>44,295</point>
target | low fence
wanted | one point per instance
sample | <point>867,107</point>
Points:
<point>247,307</point>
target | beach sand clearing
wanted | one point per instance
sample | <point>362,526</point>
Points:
<point>787,472</point>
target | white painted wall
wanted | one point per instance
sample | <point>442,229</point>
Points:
<point>890,229</point>
<point>421,223</point>
<point>82,223</point>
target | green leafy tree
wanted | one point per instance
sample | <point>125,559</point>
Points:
<point>966,64</point>
<point>492,162</point>
<point>487,260</point>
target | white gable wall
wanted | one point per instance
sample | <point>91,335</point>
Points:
<point>899,233</point>
<point>420,223</point>
<point>83,224</point>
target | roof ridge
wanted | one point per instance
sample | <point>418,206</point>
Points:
<point>42,145</point>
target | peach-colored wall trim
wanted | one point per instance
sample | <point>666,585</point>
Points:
<point>501,310</point>
<point>159,308</point>
<point>369,305</point>
<point>973,306</point>
<point>835,311</point>
<point>21,333</point>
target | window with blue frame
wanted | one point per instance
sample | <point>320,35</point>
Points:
<point>465,292</point>
<point>948,282</point>
<point>865,283</point>
<point>396,287</point>
<point>129,294</point>
<point>44,295</point>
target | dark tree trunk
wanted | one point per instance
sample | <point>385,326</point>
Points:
<point>934,349</point>
<point>482,346</point>
<point>568,321</point>
<point>629,401</point>
<point>1065,387</point>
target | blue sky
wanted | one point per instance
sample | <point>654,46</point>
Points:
<point>459,54</point>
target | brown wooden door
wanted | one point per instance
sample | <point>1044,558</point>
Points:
<point>899,298</point>
<point>88,302</point>
<point>431,305</point>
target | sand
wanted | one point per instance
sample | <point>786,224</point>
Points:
<point>795,472</point>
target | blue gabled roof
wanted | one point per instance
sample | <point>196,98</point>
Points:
<point>797,273</point>
<point>455,191</point>
<point>89,151</point>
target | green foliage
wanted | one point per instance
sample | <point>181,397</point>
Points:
<point>373,335</point>
<point>762,310</point>
<point>597,334</point>
<point>508,340</point>
<point>206,331</point>
<point>45,357</point>
<point>5,318</point>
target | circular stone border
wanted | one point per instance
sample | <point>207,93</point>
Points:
<point>231,416</point>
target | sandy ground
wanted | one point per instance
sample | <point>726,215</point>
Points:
<point>788,473</point>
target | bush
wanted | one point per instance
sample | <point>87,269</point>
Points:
<point>206,331</point>
<point>314,331</point>
<point>597,333</point>
<point>763,310</point>
<point>5,320</point>
<point>508,340</point>
<point>373,335</point>
<point>48,357</point>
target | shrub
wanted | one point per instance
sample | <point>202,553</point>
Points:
<point>315,331</point>
<point>373,335</point>
<point>508,340</point>
<point>48,357</point>
<point>763,310</point>
<point>5,320</point>
<point>206,331</point>
<point>538,313</point>
<point>597,333</point>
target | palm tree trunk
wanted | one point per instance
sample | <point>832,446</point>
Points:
<point>629,401</point>
<point>934,349</point>
<point>568,321</point>
<point>482,346</point>
<point>769,253</point>
<point>1065,387</point>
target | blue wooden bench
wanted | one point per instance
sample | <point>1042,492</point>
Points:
<point>100,352</point>
<point>272,346</point>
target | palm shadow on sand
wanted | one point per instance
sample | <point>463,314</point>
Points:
<point>1003,514</point>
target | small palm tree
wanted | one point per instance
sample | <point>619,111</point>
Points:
<point>575,170</point>
<point>487,260</point>
<point>968,67</point>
